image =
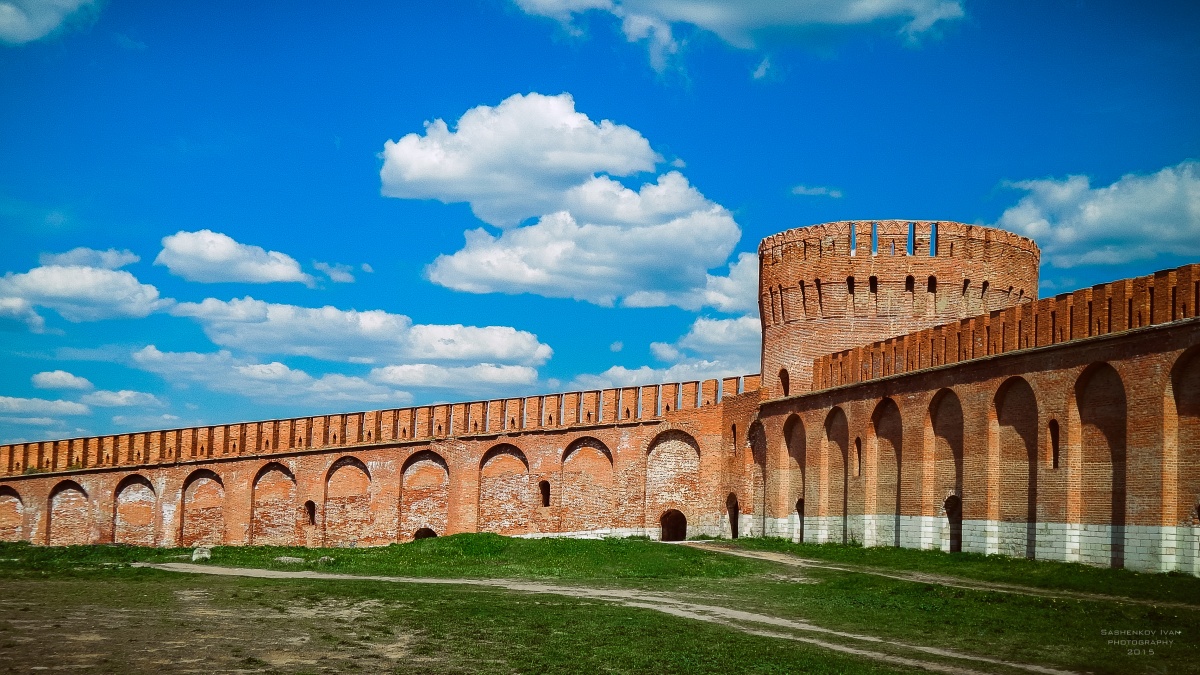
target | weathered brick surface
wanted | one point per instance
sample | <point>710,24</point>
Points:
<point>1067,428</point>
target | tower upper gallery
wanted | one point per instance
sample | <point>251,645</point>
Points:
<point>834,286</point>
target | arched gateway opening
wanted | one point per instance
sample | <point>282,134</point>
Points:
<point>674,526</point>
<point>953,507</point>
<point>731,505</point>
<point>424,533</point>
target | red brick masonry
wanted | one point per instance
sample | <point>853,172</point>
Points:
<point>918,394</point>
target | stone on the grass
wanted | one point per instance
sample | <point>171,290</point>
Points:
<point>201,553</point>
<point>290,560</point>
<point>325,559</point>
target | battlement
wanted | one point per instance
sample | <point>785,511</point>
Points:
<point>1165,296</point>
<point>647,403</point>
<point>837,285</point>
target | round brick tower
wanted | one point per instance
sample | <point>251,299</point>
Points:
<point>835,286</point>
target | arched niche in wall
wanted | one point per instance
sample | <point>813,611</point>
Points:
<point>347,517</point>
<point>506,497</point>
<point>203,513</point>
<point>587,488</point>
<point>1100,413</point>
<point>275,514</point>
<point>12,514</point>
<point>70,518</point>
<point>1013,430</point>
<point>672,473</point>
<point>135,507</point>
<point>885,440</point>
<point>424,494</point>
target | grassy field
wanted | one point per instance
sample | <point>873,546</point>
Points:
<point>1169,587</point>
<point>86,606</point>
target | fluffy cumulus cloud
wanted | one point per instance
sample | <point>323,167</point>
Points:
<point>371,336</point>
<point>111,259</point>
<point>59,379</point>
<point>213,257</point>
<point>78,293</point>
<point>1138,217</point>
<point>40,406</point>
<point>514,160</point>
<point>223,372</point>
<point>712,348</point>
<point>120,399</point>
<point>23,21</point>
<point>742,22</point>
<point>594,238</point>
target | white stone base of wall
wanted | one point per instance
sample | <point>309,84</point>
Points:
<point>1146,548</point>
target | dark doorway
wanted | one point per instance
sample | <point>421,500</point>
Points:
<point>310,512</point>
<point>674,526</point>
<point>424,533</point>
<point>731,505</point>
<point>544,488</point>
<point>800,515</point>
<point>954,515</point>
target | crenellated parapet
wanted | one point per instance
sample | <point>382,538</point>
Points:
<point>839,285</point>
<point>1104,309</point>
<point>548,412</point>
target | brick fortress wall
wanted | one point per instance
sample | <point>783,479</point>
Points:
<point>964,417</point>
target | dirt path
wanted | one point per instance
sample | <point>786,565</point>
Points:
<point>935,579</point>
<point>886,651</point>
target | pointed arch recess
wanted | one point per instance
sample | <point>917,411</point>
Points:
<point>1013,433</point>
<point>70,520</point>
<point>1101,415</point>
<point>672,473</point>
<point>885,442</point>
<point>12,514</point>
<point>587,486</point>
<point>135,506</point>
<point>506,498</point>
<point>836,446</point>
<point>347,511</point>
<point>275,516</point>
<point>203,512</point>
<point>424,494</point>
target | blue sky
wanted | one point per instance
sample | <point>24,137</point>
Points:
<point>223,211</point>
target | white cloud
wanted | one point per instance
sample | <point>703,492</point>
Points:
<point>212,257</point>
<point>20,309</point>
<point>111,259</point>
<point>59,379</point>
<point>77,293</point>
<point>31,421</point>
<point>222,372</point>
<point>712,348</point>
<point>736,293</point>
<point>24,21</point>
<point>367,268</point>
<point>817,191</point>
<point>481,376</point>
<point>594,239</point>
<point>1138,217</point>
<point>120,399</point>
<point>742,22</point>
<point>337,272</point>
<point>512,161</point>
<point>616,346</point>
<point>369,336</point>
<point>560,257</point>
<point>40,406</point>
<point>147,421</point>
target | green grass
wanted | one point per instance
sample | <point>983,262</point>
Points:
<point>559,631</point>
<point>135,622</point>
<point>1169,587</point>
<point>462,555</point>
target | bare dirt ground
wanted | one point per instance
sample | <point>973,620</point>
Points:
<point>193,633</point>
<point>867,646</point>
<point>935,579</point>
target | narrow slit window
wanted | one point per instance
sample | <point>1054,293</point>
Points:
<point>544,488</point>
<point>1053,443</point>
